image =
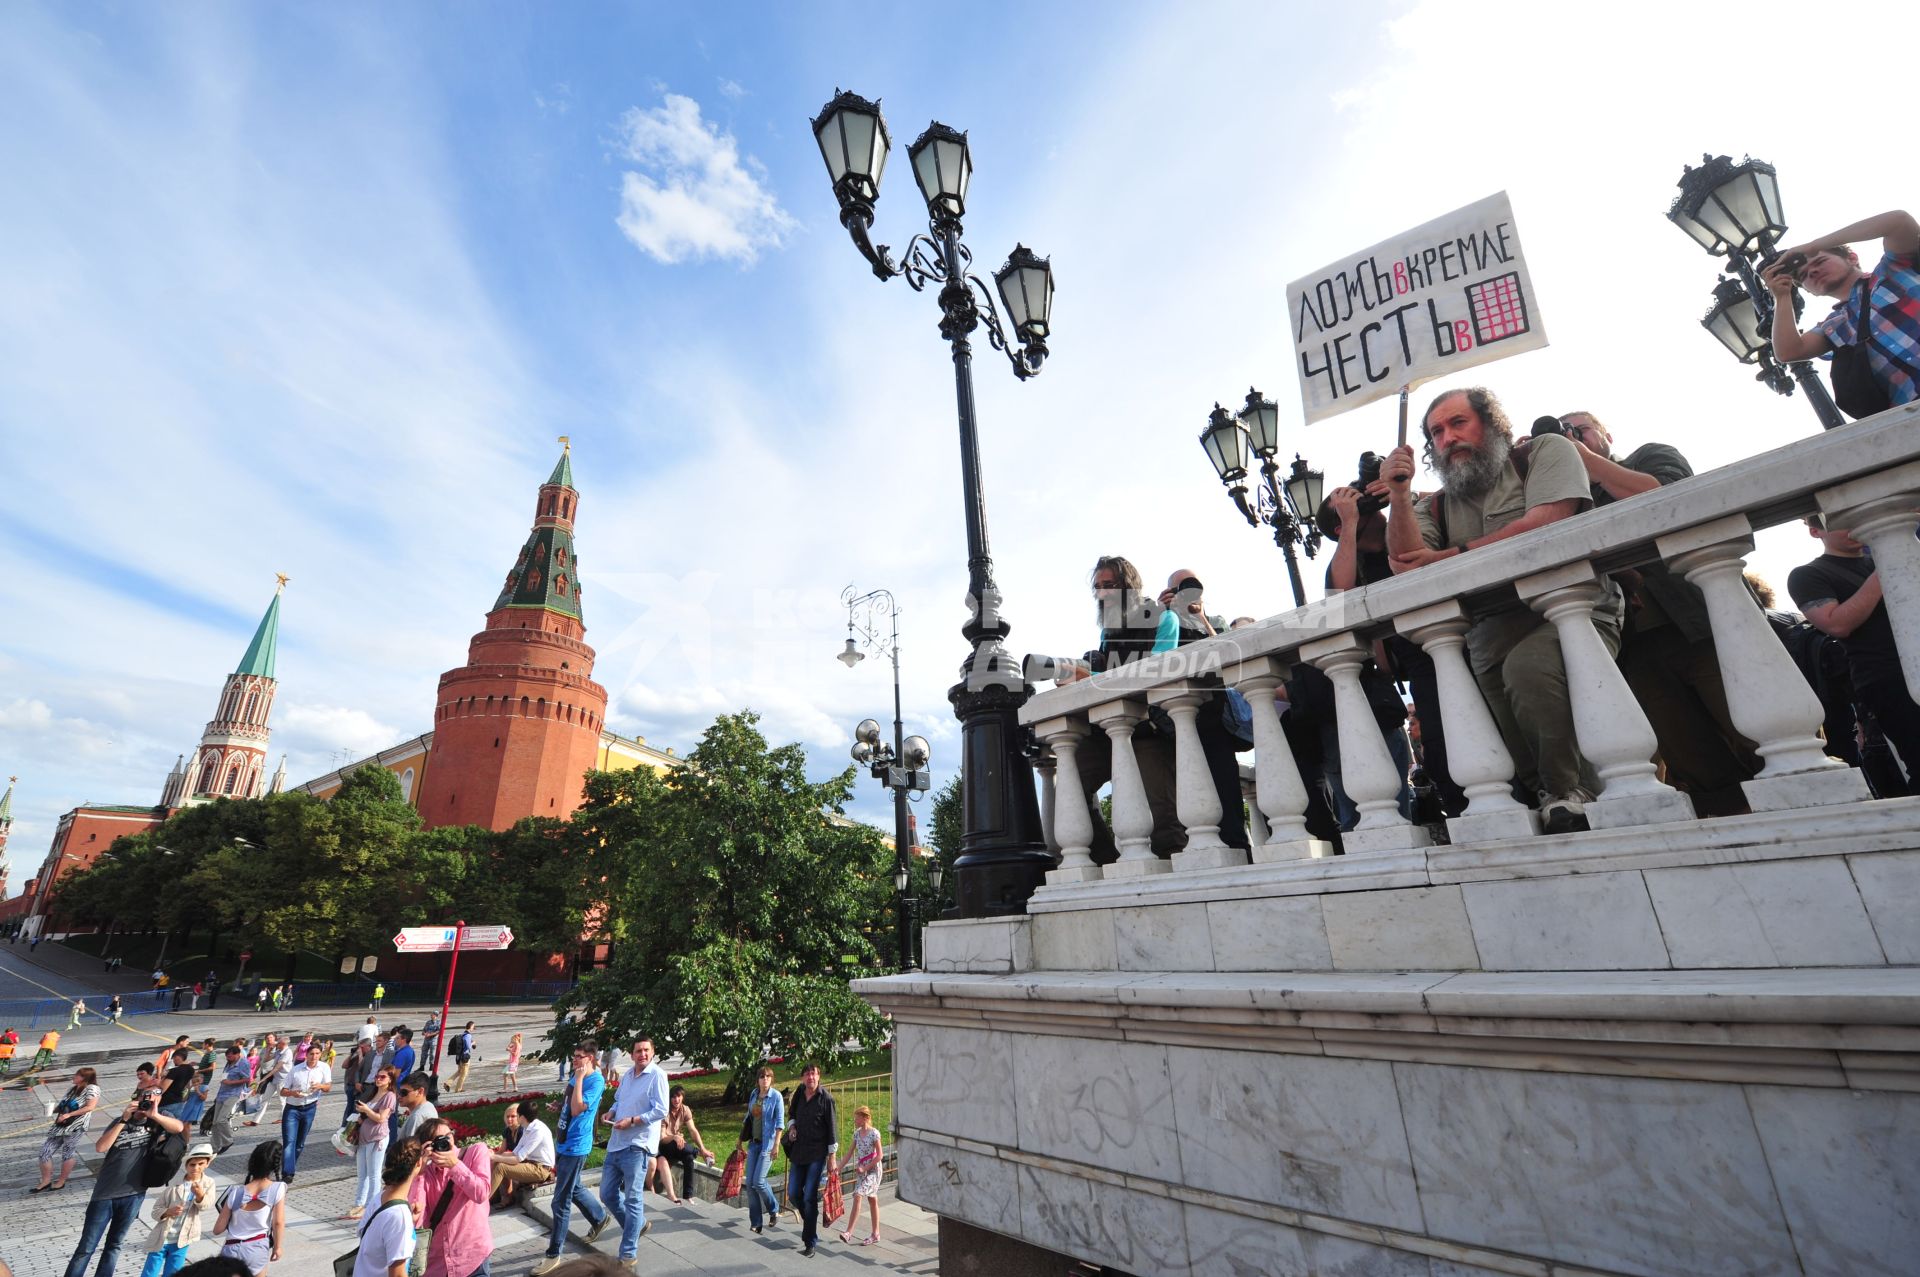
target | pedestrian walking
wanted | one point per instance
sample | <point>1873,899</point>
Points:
<point>177,1214</point>
<point>260,998</point>
<point>114,1009</point>
<point>866,1156</point>
<point>760,1132</point>
<point>369,1137</point>
<point>308,1080</point>
<point>79,1009</point>
<point>9,1043</point>
<point>451,1195</point>
<point>379,996</point>
<point>638,1107</point>
<point>463,1056</point>
<point>572,1142</point>
<point>236,1081</point>
<point>119,1183</point>
<point>198,990</point>
<point>813,1152</point>
<point>253,1215</point>
<point>510,1076</point>
<point>72,1114</point>
<point>178,1080</point>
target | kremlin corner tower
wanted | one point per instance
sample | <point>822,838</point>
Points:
<point>516,729</point>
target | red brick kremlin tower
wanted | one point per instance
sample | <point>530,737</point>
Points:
<point>516,729</point>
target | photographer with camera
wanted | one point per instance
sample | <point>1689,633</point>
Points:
<point>121,1182</point>
<point>1353,519</point>
<point>1488,495</point>
<point>1666,647</point>
<point>1883,369</point>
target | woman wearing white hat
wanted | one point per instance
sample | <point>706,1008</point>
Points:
<point>177,1213</point>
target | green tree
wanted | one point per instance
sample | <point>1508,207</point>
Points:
<point>736,904</point>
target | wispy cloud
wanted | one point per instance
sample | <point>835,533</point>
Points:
<point>555,99</point>
<point>731,89</point>
<point>694,196</point>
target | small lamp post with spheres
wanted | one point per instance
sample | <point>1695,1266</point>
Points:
<point>1003,853</point>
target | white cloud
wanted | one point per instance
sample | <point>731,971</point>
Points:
<point>731,89</point>
<point>694,195</point>
<point>557,99</point>
<point>315,729</point>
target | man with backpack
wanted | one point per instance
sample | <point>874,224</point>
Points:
<point>462,1057</point>
<point>144,1148</point>
<point>1514,652</point>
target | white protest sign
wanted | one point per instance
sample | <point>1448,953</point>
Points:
<point>1436,300</point>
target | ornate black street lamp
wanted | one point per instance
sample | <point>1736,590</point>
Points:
<point>1287,507</point>
<point>1733,211</point>
<point>881,759</point>
<point>1003,855</point>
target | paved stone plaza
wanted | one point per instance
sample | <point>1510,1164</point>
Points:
<point>697,1237</point>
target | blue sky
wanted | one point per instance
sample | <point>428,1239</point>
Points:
<point>313,289</point>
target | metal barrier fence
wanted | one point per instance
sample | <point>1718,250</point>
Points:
<point>25,1014</point>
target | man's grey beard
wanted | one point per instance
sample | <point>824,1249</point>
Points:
<point>1474,476</point>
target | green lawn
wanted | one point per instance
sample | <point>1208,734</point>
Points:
<point>864,1079</point>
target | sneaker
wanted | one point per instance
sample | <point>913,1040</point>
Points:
<point>593,1233</point>
<point>1563,816</point>
<point>644,1229</point>
<point>547,1265</point>
<point>807,1253</point>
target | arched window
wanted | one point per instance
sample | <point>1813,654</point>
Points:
<point>232,706</point>
<point>233,778</point>
<point>209,773</point>
<point>406,784</point>
<point>253,703</point>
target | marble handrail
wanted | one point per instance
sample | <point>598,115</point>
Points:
<point>1865,476</point>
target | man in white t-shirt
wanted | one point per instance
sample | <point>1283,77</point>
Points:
<point>300,1092</point>
<point>530,1164</point>
<point>368,1031</point>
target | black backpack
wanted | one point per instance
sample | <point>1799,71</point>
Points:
<point>165,1152</point>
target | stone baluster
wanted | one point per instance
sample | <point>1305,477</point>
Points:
<point>1885,525</point>
<point>1194,792</point>
<point>1132,818</point>
<point>1045,766</point>
<point>1476,753</point>
<point>1258,831</point>
<point>1367,770</point>
<point>1280,794</point>
<point>1612,730</point>
<point>1071,826</point>
<point>1767,697</point>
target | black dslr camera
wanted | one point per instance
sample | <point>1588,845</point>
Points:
<point>1369,473</point>
<point>1547,426</point>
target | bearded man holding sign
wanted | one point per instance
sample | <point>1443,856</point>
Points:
<point>1486,498</point>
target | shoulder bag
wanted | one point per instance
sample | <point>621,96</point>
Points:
<point>423,1237</point>
<point>1855,388</point>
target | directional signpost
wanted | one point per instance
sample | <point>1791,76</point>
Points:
<point>452,940</point>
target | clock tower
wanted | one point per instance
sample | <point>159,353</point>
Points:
<point>516,729</point>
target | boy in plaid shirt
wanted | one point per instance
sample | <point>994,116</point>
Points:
<point>1831,269</point>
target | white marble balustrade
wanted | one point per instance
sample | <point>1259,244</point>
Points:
<point>1865,477</point>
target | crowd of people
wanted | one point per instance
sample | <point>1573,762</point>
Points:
<point>1495,485</point>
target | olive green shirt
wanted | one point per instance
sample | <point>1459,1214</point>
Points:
<point>1554,473</point>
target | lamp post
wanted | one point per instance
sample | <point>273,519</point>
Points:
<point>901,767</point>
<point>877,756</point>
<point>1733,211</point>
<point>1003,854</point>
<point>1288,506</point>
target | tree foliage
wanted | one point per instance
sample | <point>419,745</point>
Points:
<point>737,899</point>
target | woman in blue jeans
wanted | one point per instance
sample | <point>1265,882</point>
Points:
<point>766,1118</point>
<point>308,1080</point>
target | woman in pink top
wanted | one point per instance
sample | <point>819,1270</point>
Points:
<point>459,1178</point>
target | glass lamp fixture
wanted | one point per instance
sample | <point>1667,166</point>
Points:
<point>852,656</point>
<point>1261,418</point>
<point>1225,442</point>
<point>1723,206</point>
<point>854,142</point>
<point>1735,321</point>
<point>942,166</point>
<point>1026,289</point>
<point>1305,487</point>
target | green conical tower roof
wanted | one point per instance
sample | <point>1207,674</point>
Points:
<point>266,640</point>
<point>563,468</point>
<point>6,804</point>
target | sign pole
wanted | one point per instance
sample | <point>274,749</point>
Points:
<point>446,1003</point>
